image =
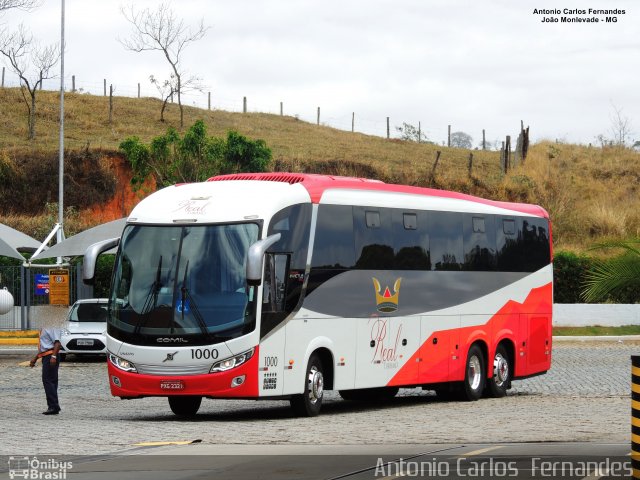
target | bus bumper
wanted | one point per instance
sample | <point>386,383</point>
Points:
<point>241,381</point>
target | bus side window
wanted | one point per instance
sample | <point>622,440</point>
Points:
<point>274,292</point>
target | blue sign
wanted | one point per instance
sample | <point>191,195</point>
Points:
<point>42,284</point>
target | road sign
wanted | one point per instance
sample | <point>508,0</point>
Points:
<point>59,286</point>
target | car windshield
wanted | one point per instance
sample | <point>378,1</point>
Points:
<point>183,280</point>
<point>88,312</point>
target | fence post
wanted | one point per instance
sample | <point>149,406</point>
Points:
<point>23,298</point>
<point>435,164</point>
<point>449,136</point>
<point>110,103</point>
<point>105,88</point>
<point>318,118</point>
<point>470,166</point>
<point>503,164</point>
<point>635,415</point>
<point>388,132</point>
<point>353,121</point>
<point>2,77</point>
<point>244,104</point>
<point>209,101</point>
<point>484,143</point>
<point>73,84</point>
<point>419,132</point>
<point>281,109</point>
<point>138,89</point>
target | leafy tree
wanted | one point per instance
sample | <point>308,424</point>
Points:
<point>615,276</point>
<point>461,140</point>
<point>194,157</point>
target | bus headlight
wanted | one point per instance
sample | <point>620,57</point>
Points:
<point>122,364</point>
<point>231,362</point>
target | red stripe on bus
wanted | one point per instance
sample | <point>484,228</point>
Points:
<point>431,364</point>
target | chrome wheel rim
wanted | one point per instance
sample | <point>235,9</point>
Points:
<point>315,385</point>
<point>500,370</point>
<point>474,373</point>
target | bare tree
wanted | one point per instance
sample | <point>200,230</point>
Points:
<point>22,4</point>
<point>32,63</point>
<point>167,88</point>
<point>620,126</point>
<point>411,133</point>
<point>160,30</point>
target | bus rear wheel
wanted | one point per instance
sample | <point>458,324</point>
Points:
<point>310,402</point>
<point>498,385</point>
<point>475,375</point>
<point>185,406</point>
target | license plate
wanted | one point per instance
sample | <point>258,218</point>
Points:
<point>85,342</point>
<point>172,385</point>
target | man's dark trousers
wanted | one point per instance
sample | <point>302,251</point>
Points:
<point>50,382</point>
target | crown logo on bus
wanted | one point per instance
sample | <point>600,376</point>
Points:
<point>387,301</point>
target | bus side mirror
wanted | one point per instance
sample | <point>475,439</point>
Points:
<point>91,257</point>
<point>255,258</point>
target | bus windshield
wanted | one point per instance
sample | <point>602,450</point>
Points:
<point>188,281</point>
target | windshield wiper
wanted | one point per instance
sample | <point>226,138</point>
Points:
<point>185,295</point>
<point>152,298</point>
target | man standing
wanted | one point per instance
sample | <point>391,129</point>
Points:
<point>48,349</point>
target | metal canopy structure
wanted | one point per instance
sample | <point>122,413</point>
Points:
<point>12,242</point>
<point>76,245</point>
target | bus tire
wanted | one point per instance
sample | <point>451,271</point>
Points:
<point>498,385</point>
<point>309,403</point>
<point>185,406</point>
<point>475,375</point>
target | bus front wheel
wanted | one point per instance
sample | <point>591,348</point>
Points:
<point>310,402</point>
<point>185,406</point>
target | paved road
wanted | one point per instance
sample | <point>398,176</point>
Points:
<point>584,398</point>
<point>363,462</point>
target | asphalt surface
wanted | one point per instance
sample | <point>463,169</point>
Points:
<point>582,403</point>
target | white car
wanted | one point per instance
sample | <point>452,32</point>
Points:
<point>85,331</point>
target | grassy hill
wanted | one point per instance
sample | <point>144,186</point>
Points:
<point>591,193</point>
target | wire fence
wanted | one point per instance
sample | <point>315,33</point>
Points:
<point>350,121</point>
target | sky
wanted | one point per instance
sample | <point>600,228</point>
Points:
<point>472,65</point>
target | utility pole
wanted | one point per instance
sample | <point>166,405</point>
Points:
<point>60,233</point>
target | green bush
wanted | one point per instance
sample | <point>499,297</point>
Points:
<point>570,273</point>
<point>194,157</point>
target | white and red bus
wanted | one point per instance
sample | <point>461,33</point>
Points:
<point>282,285</point>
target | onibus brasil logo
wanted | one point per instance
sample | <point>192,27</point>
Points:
<point>34,468</point>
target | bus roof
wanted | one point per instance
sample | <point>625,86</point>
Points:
<point>317,185</point>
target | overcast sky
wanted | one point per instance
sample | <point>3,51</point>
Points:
<point>473,65</point>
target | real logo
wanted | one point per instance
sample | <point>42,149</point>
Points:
<point>386,301</point>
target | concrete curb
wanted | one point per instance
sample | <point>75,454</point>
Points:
<point>597,338</point>
<point>18,341</point>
